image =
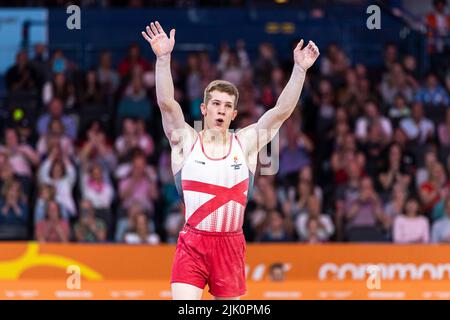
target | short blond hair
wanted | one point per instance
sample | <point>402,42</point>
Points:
<point>221,86</point>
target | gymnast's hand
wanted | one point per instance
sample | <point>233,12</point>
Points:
<point>305,58</point>
<point>162,46</point>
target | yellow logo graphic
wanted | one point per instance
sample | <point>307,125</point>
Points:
<point>12,269</point>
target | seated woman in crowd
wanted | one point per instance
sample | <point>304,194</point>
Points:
<point>53,228</point>
<point>411,226</point>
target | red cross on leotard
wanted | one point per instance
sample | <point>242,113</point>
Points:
<point>222,195</point>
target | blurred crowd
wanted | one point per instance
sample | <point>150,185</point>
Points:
<point>365,156</point>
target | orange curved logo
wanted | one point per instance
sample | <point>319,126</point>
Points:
<point>12,269</point>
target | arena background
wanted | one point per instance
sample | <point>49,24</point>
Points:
<point>373,121</point>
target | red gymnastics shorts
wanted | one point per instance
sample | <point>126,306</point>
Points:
<point>213,258</point>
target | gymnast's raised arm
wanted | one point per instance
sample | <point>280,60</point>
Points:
<point>175,127</point>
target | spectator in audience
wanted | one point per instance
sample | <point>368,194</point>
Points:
<point>61,88</point>
<point>417,127</point>
<point>194,84</point>
<point>366,93</point>
<point>58,171</point>
<point>140,186</point>
<point>272,91</point>
<point>347,96</point>
<point>251,108</point>
<point>396,82</point>
<point>394,206</point>
<point>439,209</point>
<point>55,136</point>
<point>174,223</point>
<point>92,94</point>
<point>13,213</point>
<point>372,115</point>
<point>207,68</point>
<point>411,70</point>
<point>423,172</point>
<point>55,111</point>
<point>346,194</point>
<point>336,62</point>
<point>89,228</point>
<point>96,187</point>
<point>41,64</point>
<point>21,77</point>
<point>232,64</point>
<point>129,222</point>
<point>314,227</point>
<point>277,272</point>
<point>399,110</point>
<point>296,154</point>
<point>432,94</point>
<point>373,147</point>
<point>141,234</point>
<point>307,174</point>
<point>6,171</point>
<point>21,156</point>
<point>390,57</point>
<point>336,137</point>
<point>324,228</point>
<point>395,172</point>
<point>265,63</point>
<point>134,102</point>
<point>107,77</point>
<point>342,156</point>
<point>438,31</point>
<point>325,100</point>
<point>341,65</point>
<point>134,136</point>
<point>411,227</point>
<point>25,131</point>
<point>327,66</point>
<point>47,194</point>
<point>97,149</point>
<point>53,228</point>
<point>431,190</point>
<point>132,60</point>
<point>440,231</point>
<point>264,200</point>
<point>365,216</point>
<point>60,63</point>
<point>296,201</point>
<point>277,228</point>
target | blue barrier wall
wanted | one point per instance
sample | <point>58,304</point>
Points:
<point>207,28</point>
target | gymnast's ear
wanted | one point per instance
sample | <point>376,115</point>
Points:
<point>235,112</point>
<point>203,108</point>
